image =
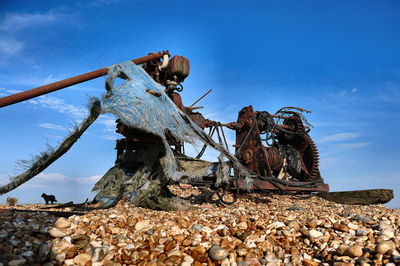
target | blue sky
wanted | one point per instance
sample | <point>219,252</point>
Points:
<point>339,59</point>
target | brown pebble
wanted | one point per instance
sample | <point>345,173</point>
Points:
<point>310,262</point>
<point>170,244</point>
<point>354,251</point>
<point>384,247</point>
<point>341,249</point>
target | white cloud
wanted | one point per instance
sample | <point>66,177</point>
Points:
<point>110,137</point>
<point>46,180</point>
<point>343,93</point>
<point>52,126</point>
<point>10,46</point>
<point>13,23</point>
<point>326,162</point>
<point>6,92</point>
<point>12,91</point>
<point>353,146</point>
<point>108,121</point>
<point>46,177</point>
<point>87,180</point>
<point>58,105</point>
<point>339,137</point>
<point>97,3</point>
<point>17,21</point>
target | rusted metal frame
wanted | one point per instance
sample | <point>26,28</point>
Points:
<point>29,94</point>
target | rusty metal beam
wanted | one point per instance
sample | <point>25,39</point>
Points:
<point>29,94</point>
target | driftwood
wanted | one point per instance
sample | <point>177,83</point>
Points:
<point>55,213</point>
<point>65,205</point>
<point>48,158</point>
<point>362,197</point>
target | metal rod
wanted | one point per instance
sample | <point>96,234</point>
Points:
<point>29,94</point>
<point>200,98</point>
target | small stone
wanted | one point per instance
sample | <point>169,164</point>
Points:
<point>98,253</point>
<point>18,262</point>
<point>387,232</point>
<point>384,247</point>
<point>361,232</point>
<point>312,224</point>
<point>294,208</point>
<point>354,251</point>
<point>242,236</point>
<point>15,242</point>
<point>69,262</point>
<point>341,263</point>
<point>55,232</point>
<point>130,246</point>
<point>310,262</point>
<point>113,216</point>
<point>44,249</point>
<point>279,225</point>
<point>294,225</point>
<point>242,225</point>
<point>81,241</point>
<point>170,244</point>
<point>314,234</point>
<point>188,259</point>
<point>352,226</point>
<point>60,258</point>
<point>342,249</point>
<point>198,252</point>
<point>294,251</point>
<point>143,224</point>
<point>62,223</point>
<point>250,245</point>
<point>343,228</point>
<point>217,253</point>
<point>28,253</point>
<point>197,227</point>
<point>82,259</point>
<point>396,258</point>
<point>253,262</point>
<point>384,226</point>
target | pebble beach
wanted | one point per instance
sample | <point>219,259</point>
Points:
<point>258,229</point>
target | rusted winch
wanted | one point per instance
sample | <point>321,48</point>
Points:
<point>278,149</point>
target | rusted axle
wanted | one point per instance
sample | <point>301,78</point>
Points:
<point>29,94</point>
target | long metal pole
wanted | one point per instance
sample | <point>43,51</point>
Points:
<point>29,94</point>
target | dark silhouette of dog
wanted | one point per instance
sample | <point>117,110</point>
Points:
<point>48,198</point>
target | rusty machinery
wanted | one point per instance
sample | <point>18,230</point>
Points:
<point>288,160</point>
<point>275,147</point>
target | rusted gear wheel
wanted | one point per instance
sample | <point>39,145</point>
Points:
<point>310,159</point>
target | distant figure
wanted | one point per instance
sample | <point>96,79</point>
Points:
<point>48,198</point>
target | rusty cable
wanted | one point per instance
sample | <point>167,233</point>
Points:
<point>210,133</point>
